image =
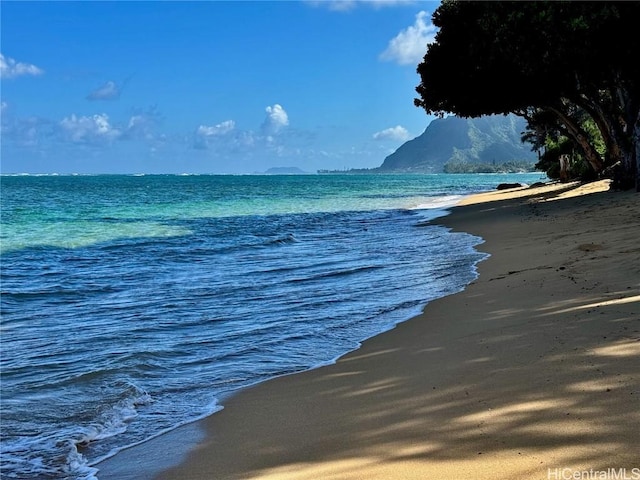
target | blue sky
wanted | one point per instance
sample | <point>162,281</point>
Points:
<point>208,87</point>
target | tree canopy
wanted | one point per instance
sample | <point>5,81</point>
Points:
<point>556,63</point>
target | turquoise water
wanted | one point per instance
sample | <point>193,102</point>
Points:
<point>135,304</point>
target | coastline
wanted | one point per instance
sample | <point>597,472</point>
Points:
<point>532,367</point>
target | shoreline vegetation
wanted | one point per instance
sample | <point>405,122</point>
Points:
<point>515,166</point>
<point>533,367</point>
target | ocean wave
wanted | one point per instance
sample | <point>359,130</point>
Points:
<point>282,240</point>
<point>336,273</point>
<point>61,454</point>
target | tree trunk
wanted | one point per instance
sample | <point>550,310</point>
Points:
<point>580,137</point>
<point>626,128</point>
<point>636,147</point>
<point>564,168</point>
<point>630,102</point>
<point>614,144</point>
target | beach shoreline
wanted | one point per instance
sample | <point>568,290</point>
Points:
<point>533,367</point>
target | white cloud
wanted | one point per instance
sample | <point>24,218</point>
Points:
<point>224,137</point>
<point>410,45</point>
<point>206,136</point>
<point>136,122</point>
<point>217,130</point>
<point>142,125</point>
<point>347,5</point>
<point>109,91</point>
<point>398,133</point>
<point>9,68</point>
<point>339,5</point>
<point>276,120</point>
<point>93,129</point>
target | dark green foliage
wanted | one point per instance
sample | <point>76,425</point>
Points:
<point>578,168</point>
<point>545,135</point>
<point>568,67</point>
<point>515,166</point>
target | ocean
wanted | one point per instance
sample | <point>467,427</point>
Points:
<point>131,305</point>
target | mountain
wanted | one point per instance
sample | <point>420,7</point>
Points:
<point>462,143</point>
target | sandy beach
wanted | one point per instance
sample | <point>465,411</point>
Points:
<point>533,372</point>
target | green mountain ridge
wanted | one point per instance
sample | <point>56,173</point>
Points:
<point>462,143</point>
